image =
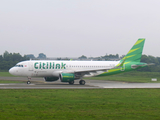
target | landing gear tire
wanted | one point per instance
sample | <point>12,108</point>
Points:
<point>28,82</point>
<point>71,82</point>
<point>82,82</point>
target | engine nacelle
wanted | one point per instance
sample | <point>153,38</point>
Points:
<point>67,77</point>
<point>51,79</point>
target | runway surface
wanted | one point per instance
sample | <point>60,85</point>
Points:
<point>39,83</point>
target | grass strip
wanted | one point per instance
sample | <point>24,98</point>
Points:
<point>134,76</point>
<point>6,74</point>
<point>8,81</point>
<point>74,104</point>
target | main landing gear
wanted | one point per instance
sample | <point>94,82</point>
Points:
<point>81,82</point>
<point>71,82</point>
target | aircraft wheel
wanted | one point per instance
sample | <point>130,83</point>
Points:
<point>71,82</point>
<point>28,82</point>
<point>82,82</point>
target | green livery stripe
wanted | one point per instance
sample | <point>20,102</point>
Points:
<point>139,41</point>
<point>110,71</point>
<point>128,57</point>
<point>113,70</point>
<point>126,63</point>
<point>133,50</point>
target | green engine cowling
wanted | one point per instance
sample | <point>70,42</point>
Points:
<point>51,79</point>
<point>67,77</point>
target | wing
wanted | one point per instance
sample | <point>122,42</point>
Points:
<point>89,72</point>
<point>92,70</point>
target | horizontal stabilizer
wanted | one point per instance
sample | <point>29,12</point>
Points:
<point>141,65</point>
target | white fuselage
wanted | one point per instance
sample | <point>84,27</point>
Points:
<point>46,68</point>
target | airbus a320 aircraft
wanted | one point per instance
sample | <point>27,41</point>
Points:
<point>68,71</point>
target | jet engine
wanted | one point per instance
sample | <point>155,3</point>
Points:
<point>51,79</point>
<point>67,77</point>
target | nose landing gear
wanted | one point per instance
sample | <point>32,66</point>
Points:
<point>29,82</point>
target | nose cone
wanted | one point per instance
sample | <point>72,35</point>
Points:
<point>11,71</point>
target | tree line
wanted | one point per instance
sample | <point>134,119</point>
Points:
<point>8,60</point>
<point>150,59</point>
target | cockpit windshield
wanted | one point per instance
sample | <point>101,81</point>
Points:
<point>18,66</point>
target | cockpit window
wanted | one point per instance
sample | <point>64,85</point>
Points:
<point>18,65</point>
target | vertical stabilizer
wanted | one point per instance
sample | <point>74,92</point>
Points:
<point>135,53</point>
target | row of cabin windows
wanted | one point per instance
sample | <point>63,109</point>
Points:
<point>74,66</point>
<point>18,65</point>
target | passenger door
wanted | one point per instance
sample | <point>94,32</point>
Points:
<point>30,64</point>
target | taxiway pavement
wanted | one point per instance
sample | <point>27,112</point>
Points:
<point>39,83</point>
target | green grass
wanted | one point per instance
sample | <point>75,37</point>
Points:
<point>133,76</point>
<point>86,104</point>
<point>8,81</point>
<point>5,74</point>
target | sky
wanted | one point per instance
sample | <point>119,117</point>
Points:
<point>72,28</point>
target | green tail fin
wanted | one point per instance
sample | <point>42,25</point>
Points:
<point>135,53</point>
<point>131,61</point>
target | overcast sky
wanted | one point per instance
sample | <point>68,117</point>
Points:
<point>71,28</point>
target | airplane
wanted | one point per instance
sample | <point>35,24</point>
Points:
<point>68,71</point>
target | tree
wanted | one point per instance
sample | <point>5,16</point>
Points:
<point>82,57</point>
<point>5,54</point>
<point>41,56</point>
<point>31,56</point>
